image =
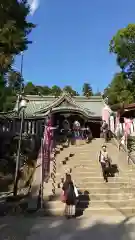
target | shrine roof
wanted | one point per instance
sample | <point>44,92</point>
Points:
<point>39,106</point>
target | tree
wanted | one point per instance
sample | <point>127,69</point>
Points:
<point>9,103</point>
<point>14,30</point>
<point>30,88</point>
<point>56,91</point>
<point>2,92</point>
<point>118,90</point>
<point>69,90</point>
<point>123,45</point>
<point>87,90</point>
<point>46,90</point>
<point>15,81</point>
<point>43,90</point>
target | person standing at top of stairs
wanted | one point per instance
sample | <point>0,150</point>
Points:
<point>104,129</point>
<point>76,128</point>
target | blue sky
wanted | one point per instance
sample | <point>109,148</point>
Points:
<point>71,42</point>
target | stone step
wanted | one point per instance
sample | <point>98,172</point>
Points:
<point>82,163</point>
<point>104,197</point>
<point>106,190</point>
<point>105,193</point>
<point>113,198</point>
<point>85,169</point>
<point>57,208</point>
<point>101,184</point>
<point>123,211</point>
<point>98,173</point>
<point>87,179</point>
<point>91,171</point>
<point>91,179</point>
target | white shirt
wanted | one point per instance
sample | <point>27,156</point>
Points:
<point>103,157</point>
<point>76,124</point>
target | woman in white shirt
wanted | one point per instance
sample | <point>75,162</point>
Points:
<point>104,161</point>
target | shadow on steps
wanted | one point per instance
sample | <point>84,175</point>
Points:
<point>83,203</point>
<point>111,171</point>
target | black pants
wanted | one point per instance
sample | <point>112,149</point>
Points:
<point>105,136</point>
<point>104,171</point>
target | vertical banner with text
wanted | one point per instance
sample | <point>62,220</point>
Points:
<point>46,151</point>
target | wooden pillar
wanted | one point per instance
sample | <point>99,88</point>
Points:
<point>41,127</point>
<point>36,127</point>
<point>13,126</point>
<point>25,129</point>
<point>29,127</point>
<point>17,125</point>
<point>9,126</point>
<point>33,127</point>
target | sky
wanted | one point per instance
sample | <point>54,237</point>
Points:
<point>71,41</point>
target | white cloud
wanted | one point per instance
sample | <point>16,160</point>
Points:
<point>34,4</point>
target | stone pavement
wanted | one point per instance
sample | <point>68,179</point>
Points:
<point>58,228</point>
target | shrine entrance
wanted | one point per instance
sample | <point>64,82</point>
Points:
<point>58,119</point>
<point>94,125</point>
<point>95,128</point>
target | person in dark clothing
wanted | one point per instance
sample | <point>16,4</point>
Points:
<point>68,188</point>
<point>105,130</point>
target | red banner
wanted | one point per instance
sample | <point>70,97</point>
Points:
<point>46,150</point>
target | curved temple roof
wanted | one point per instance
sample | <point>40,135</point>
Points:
<point>39,106</point>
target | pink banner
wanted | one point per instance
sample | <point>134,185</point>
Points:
<point>128,123</point>
<point>106,114</point>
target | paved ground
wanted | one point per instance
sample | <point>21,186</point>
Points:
<point>41,228</point>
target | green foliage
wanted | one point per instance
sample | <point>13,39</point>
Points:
<point>123,45</point>
<point>69,90</point>
<point>119,90</point>
<point>87,90</point>
<point>2,92</point>
<point>56,91</point>
<point>15,81</point>
<point>9,103</point>
<point>14,29</point>
<point>30,88</point>
<point>43,90</point>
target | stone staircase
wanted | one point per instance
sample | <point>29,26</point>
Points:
<point>117,197</point>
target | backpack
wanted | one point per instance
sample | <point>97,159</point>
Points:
<point>70,194</point>
<point>105,126</point>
